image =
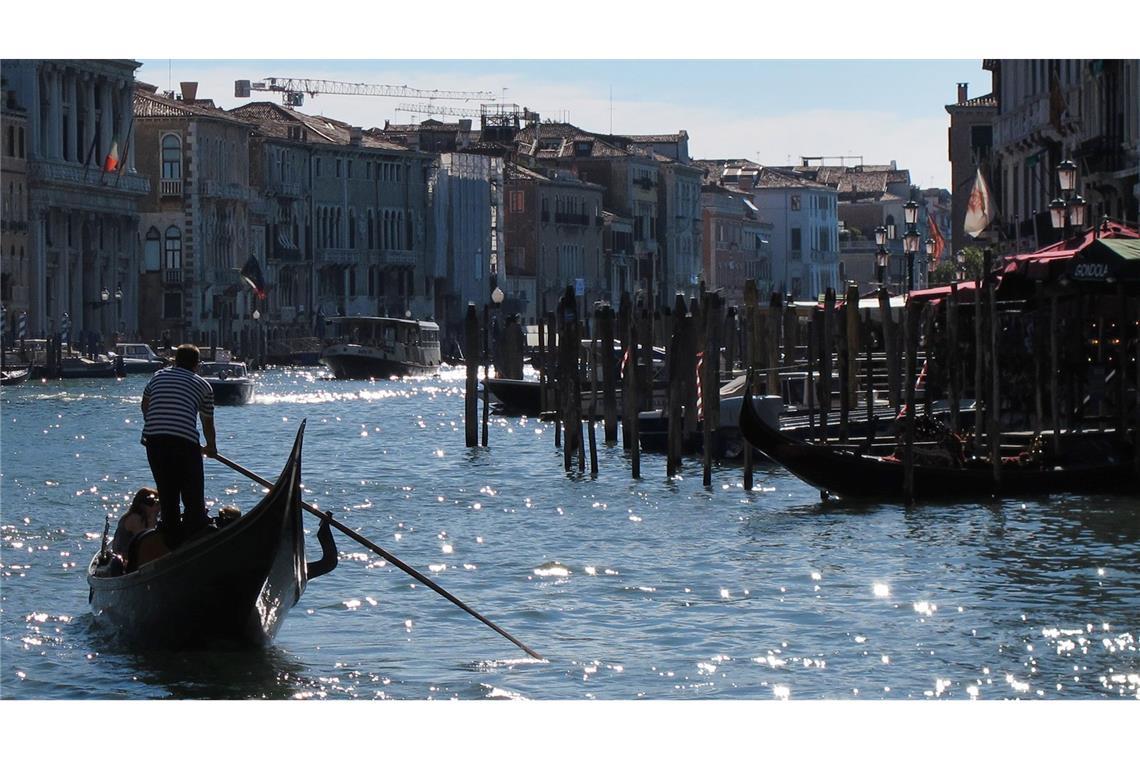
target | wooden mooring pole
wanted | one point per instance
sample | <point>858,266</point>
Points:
<point>471,397</point>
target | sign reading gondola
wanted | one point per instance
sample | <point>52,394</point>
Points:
<point>1090,271</point>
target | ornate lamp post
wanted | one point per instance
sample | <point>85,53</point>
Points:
<point>960,263</point>
<point>931,264</point>
<point>881,256</point>
<point>256,339</point>
<point>911,240</point>
<point>1069,209</point>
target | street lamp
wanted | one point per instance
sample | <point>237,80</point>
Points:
<point>911,242</point>
<point>256,338</point>
<point>881,256</point>
<point>960,261</point>
<point>1069,209</point>
<point>931,264</point>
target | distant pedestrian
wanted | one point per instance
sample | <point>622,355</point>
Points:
<point>172,402</point>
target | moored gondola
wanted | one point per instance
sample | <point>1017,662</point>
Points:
<point>232,584</point>
<point>1096,463</point>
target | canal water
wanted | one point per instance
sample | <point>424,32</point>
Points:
<point>656,589</point>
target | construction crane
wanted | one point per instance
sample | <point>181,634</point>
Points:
<point>293,90</point>
<point>433,110</point>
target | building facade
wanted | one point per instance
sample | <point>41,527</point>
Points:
<point>555,238</point>
<point>970,143</point>
<point>735,243</point>
<point>468,225</point>
<point>348,217</point>
<point>804,218</point>
<point>14,293</point>
<point>1048,111</point>
<point>197,221</point>
<point>83,195</point>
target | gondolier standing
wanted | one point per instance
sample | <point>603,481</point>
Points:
<point>172,402</point>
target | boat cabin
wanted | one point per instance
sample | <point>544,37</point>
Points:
<point>384,332</point>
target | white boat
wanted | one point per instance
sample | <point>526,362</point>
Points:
<point>230,380</point>
<point>381,347</point>
<point>138,358</point>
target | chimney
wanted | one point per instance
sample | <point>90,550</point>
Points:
<point>962,87</point>
<point>354,135</point>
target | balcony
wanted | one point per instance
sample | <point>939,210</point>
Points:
<point>396,258</point>
<point>290,189</point>
<point>172,276</point>
<point>227,190</point>
<point>338,256</point>
<point>170,188</point>
<point>61,173</point>
<point>579,219</point>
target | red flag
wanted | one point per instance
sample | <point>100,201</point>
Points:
<point>111,162</point>
<point>251,273</point>
<point>936,236</point>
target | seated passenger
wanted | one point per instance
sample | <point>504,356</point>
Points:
<point>142,515</point>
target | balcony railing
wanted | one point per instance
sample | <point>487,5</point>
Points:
<point>562,218</point>
<point>338,256</point>
<point>227,190</point>
<point>93,177</point>
<point>172,276</point>
<point>170,187</point>
<point>291,189</point>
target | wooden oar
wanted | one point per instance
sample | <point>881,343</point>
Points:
<point>388,556</point>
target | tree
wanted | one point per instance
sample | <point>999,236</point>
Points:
<point>947,271</point>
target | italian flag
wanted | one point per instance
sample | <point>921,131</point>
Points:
<point>111,162</point>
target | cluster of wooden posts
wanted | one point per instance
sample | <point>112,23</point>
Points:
<point>931,345</point>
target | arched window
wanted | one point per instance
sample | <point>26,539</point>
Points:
<point>152,250</point>
<point>172,251</point>
<point>171,157</point>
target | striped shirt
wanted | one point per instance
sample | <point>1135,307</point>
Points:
<point>177,396</point>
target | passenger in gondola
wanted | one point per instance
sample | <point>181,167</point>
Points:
<point>140,516</point>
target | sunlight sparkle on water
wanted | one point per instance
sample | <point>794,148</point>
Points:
<point>552,570</point>
<point>881,590</point>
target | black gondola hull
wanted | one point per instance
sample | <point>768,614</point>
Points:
<point>234,585</point>
<point>860,476</point>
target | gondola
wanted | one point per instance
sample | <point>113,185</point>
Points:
<point>1097,463</point>
<point>229,585</point>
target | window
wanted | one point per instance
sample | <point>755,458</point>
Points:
<point>824,239</point>
<point>172,251</point>
<point>317,166</point>
<point>518,201</point>
<point>338,167</point>
<point>172,305</point>
<point>797,242</point>
<point>795,203</point>
<point>152,250</point>
<point>171,157</point>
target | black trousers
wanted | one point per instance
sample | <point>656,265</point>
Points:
<point>176,464</point>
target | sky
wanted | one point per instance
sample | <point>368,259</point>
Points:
<point>772,112</point>
<point>865,81</point>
